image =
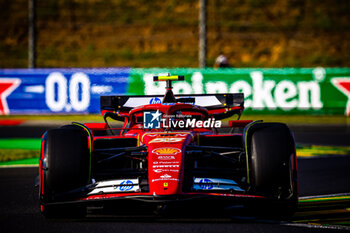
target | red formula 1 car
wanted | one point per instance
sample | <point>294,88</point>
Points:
<point>173,152</point>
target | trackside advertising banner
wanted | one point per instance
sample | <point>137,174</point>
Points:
<point>270,91</point>
<point>30,91</point>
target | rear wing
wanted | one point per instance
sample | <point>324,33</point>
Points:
<point>209,101</point>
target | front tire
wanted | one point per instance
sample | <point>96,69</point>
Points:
<point>65,166</point>
<point>273,172</point>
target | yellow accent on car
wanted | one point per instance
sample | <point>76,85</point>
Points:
<point>172,78</point>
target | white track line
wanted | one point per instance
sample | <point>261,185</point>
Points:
<point>314,226</point>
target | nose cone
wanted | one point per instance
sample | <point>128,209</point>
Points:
<point>165,161</point>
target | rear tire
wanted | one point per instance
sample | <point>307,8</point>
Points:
<point>65,166</point>
<point>271,151</point>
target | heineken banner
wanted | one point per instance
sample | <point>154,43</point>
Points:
<point>271,91</point>
<point>267,91</point>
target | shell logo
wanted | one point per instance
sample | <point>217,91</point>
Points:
<point>166,151</point>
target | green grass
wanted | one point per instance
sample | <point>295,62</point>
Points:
<point>19,148</point>
<point>21,143</point>
<point>17,154</point>
<point>24,162</point>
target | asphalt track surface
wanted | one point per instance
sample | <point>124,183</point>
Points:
<point>19,207</point>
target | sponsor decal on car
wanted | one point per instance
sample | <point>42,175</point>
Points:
<point>155,100</point>
<point>126,185</point>
<point>206,184</point>
<point>166,157</point>
<point>165,176</point>
<point>166,151</point>
<point>116,186</point>
<point>151,134</point>
<point>164,170</point>
<point>215,184</point>
<point>169,162</point>
<point>181,135</point>
<point>167,139</point>
<point>163,166</point>
<point>162,179</point>
<point>166,162</point>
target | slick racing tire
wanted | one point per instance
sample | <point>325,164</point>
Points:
<point>65,167</point>
<point>273,167</point>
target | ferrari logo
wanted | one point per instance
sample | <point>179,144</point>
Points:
<point>165,184</point>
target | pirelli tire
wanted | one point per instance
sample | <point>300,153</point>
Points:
<point>273,167</point>
<point>65,166</point>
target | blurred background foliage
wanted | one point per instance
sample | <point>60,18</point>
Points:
<point>141,33</point>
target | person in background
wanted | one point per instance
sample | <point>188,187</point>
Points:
<point>221,62</point>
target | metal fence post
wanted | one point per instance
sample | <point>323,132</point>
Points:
<point>32,34</point>
<point>202,33</point>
